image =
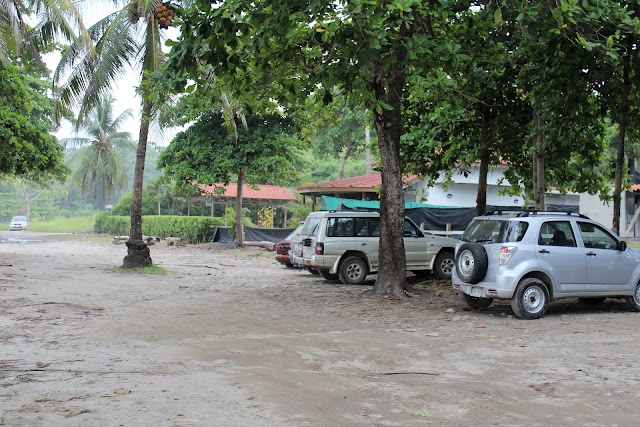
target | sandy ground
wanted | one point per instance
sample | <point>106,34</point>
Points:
<point>231,338</point>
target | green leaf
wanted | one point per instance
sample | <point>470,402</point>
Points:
<point>497,16</point>
<point>610,41</point>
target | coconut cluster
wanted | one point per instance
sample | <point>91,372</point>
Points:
<point>165,12</point>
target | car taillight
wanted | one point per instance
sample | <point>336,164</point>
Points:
<point>506,252</point>
<point>319,248</point>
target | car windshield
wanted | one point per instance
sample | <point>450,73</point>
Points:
<point>485,230</point>
<point>19,218</point>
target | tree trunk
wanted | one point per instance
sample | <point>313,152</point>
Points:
<point>347,152</point>
<point>367,150</point>
<point>538,164</point>
<point>485,157</point>
<point>481,197</point>
<point>622,129</point>
<point>392,268</point>
<point>239,225</point>
<point>138,254</point>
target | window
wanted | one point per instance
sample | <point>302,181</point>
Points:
<point>310,226</point>
<point>485,230</point>
<point>596,237</point>
<point>517,231</point>
<point>556,233</point>
<point>368,227</point>
<point>410,230</point>
<point>340,227</point>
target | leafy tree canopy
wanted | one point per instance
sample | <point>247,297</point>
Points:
<point>206,153</point>
<point>25,122</point>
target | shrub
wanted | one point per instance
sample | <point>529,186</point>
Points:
<point>194,229</point>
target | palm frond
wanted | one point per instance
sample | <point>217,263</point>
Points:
<point>74,142</point>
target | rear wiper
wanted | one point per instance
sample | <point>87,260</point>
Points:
<point>484,241</point>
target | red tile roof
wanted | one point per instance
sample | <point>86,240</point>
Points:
<point>357,183</point>
<point>263,192</point>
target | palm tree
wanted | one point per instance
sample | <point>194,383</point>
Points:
<point>30,27</point>
<point>97,164</point>
<point>128,36</point>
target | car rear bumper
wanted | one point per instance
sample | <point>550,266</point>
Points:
<point>502,288</point>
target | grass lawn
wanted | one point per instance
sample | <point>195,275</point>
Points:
<point>63,225</point>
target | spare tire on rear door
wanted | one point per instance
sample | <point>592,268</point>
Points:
<point>471,263</point>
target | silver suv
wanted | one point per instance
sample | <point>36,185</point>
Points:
<point>344,245</point>
<point>533,257</point>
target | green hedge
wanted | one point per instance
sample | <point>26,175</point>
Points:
<point>193,229</point>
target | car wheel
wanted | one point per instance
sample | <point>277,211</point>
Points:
<point>288,265</point>
<point>311,270</point>
<point>592,301</point>
<point>353,270</point>
<point>634,300</point>
<point>326,275</point>
<point>444,265</point>
<point>475,303</point>
<point>531,299</point>
<point>471,263</point>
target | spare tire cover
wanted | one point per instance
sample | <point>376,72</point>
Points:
<point>471,263</point>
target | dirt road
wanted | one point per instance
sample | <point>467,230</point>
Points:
<point>230,338</point>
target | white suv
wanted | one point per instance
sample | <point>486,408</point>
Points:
<point>533,257</point>
<point>344,245</point>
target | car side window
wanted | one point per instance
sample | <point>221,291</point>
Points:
<point>410,230</point>
<point>367,227</point>
<point>596,237</point>
<point>340,227</point>
<point>556,233</point>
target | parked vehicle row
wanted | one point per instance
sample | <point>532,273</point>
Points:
<point>529,258</point>
<point>344,245</point>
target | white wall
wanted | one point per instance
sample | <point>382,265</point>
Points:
<point>596,209</point>
<point>463,191</point>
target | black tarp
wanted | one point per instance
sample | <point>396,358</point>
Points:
<point>259,234</point>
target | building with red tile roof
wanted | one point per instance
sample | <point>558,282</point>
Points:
<point>265,192</point>
<point>364,187</point>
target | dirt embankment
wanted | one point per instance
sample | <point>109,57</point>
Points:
<point>231,338</point>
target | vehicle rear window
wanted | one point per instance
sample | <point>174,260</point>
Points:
<point>485,230</point>
<point>310,226</point>
<point>517,231</point>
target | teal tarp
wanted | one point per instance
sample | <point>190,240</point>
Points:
<point>334,204</point>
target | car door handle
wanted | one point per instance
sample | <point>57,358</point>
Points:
<point>543,251</point>
<point>363,244</point>
<point>591,254</point>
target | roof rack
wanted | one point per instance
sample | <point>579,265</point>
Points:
<point>534,212</point>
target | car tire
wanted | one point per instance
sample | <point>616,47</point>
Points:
<point>353,270</point>
<point>471,263</point>
<point>326,275</point>
<point>475,303</point>
<point>288,265</point>
<point>634,301</point>
<point>311,270</point>
<point>531,299</point>
<point>592,301</point>
<point>444,265</point>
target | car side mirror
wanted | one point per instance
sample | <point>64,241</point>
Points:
<point>622,246</point>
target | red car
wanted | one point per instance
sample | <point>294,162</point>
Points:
<point>283,248</point>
